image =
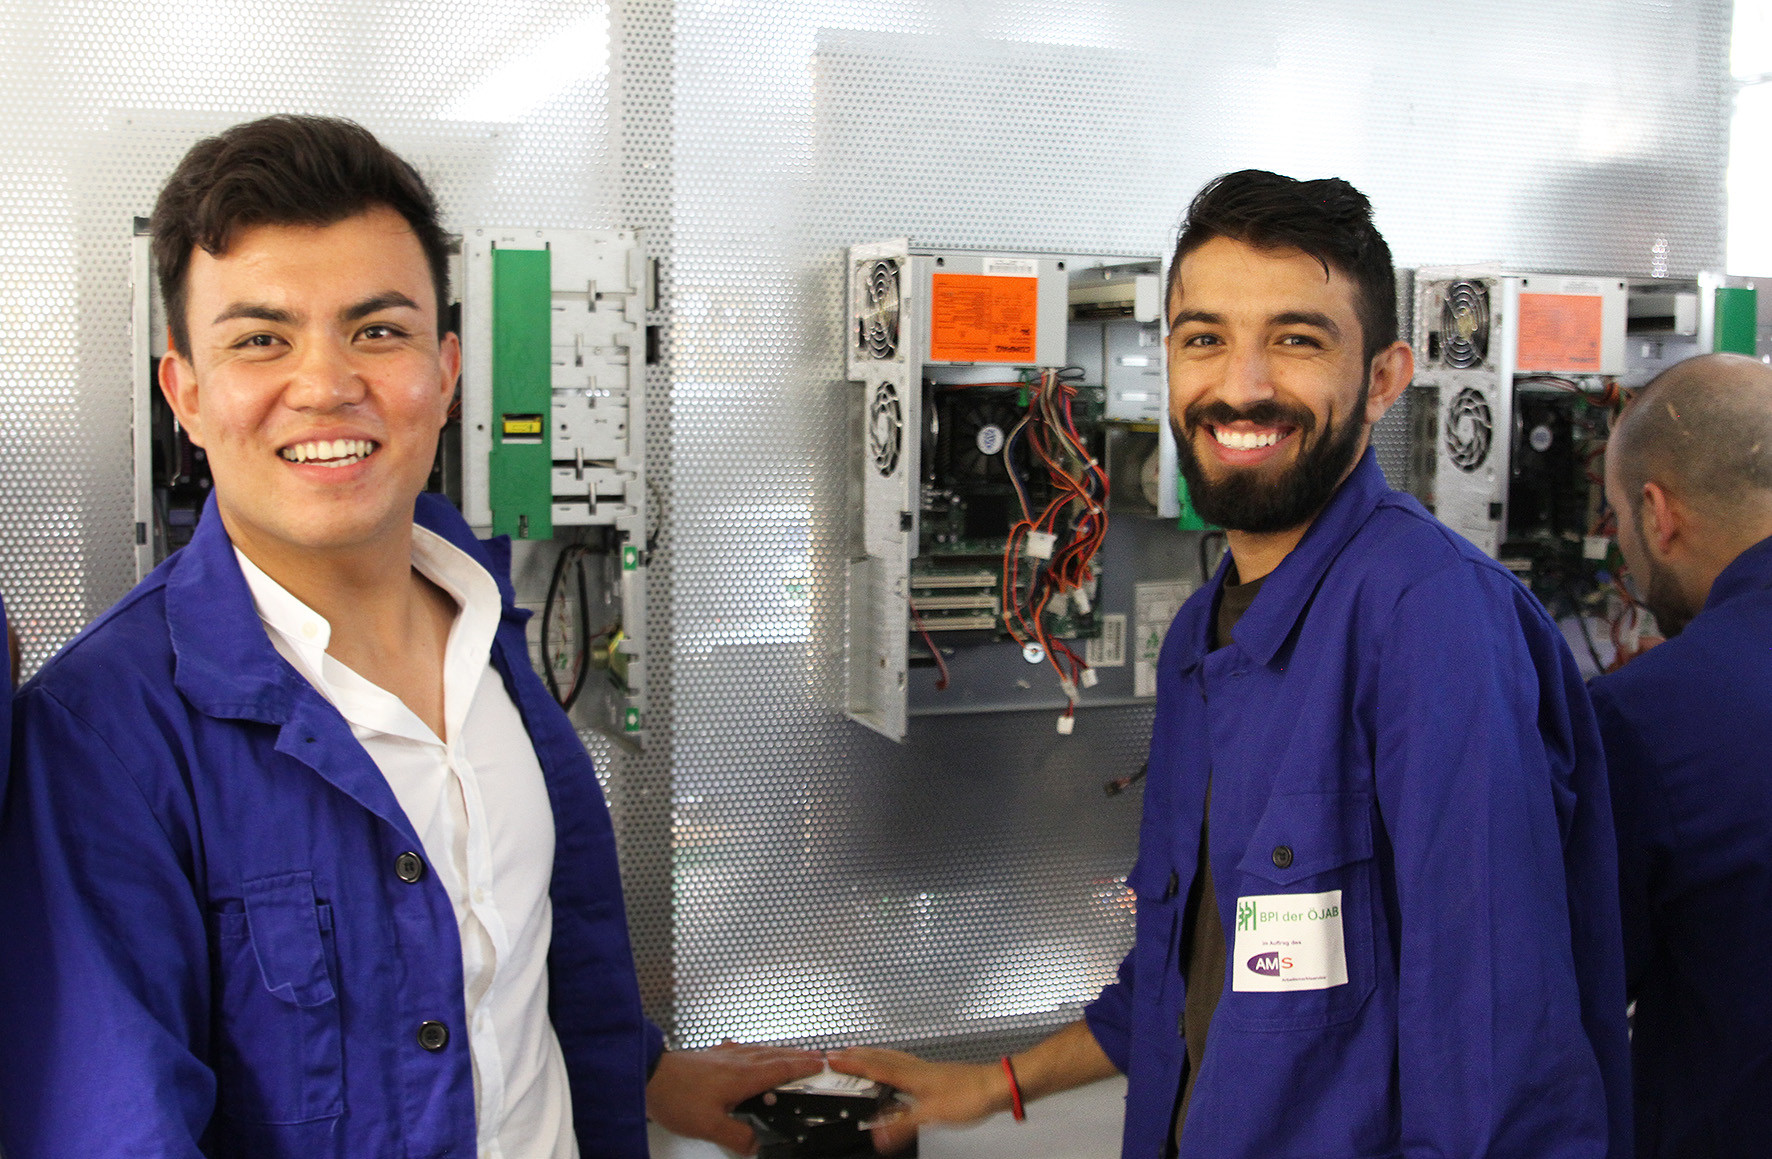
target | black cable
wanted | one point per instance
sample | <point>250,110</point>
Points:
<point>584,627</point>
<point>1120,784</point>
<point>547,621</point>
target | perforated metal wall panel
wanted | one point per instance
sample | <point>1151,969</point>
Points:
<point>789,874</point>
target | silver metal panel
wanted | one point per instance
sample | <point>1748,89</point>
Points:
<point>1132,371</point>
<point>876,646</point>
<point>790,874</point>
<point>143,299</point>
<point>598,423</point>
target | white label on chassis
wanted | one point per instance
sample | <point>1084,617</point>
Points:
<point>1289,941</point>
<point>1156,605</point>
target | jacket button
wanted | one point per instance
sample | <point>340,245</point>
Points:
<point>409,867</point>
<point>433,1036</point>
<point>1282,856</point>
<point>1174,884</point>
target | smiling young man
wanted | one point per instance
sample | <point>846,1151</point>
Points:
<point>1376,906</point>
<point>301,860</point>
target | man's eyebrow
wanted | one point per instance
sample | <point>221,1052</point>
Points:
<point>1206,316</point>
<point>390,300</point>
<point>257,310</point>
<point>1307,318</point>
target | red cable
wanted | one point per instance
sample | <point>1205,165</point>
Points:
<point>940,664</point>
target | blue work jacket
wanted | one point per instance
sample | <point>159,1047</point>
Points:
<point>1399,720</point>
<point>207,947</point>
<point>1687,727</point>
<point>5,705</point>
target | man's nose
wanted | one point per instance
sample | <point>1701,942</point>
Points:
<point>324,377</point>
<point>1248,377</point>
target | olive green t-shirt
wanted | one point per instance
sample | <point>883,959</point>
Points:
<point>1203,941</point>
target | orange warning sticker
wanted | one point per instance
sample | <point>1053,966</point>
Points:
<point>1559,332</point>
<point>983,318</point>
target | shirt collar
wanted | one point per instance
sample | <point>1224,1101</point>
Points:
<point>306,630</point>
<point>1748,572</point>
<point>1287,590</point>
<point>476,595</point>
<point>305,634</point>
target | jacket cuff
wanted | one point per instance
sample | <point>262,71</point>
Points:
<point>1109,1020</point>
<point>655,1048</point>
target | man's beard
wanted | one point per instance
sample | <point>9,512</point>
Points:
<point>1662,596</point>
<point>1243,500</point>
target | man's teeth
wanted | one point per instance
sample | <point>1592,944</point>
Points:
<point>329,452</point>
<point>1245,440</point>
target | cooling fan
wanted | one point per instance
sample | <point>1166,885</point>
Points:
<point>885,429</point>
<point>876,314</point>
<point>1464,325</point>
<point>1470,428</point>
<point>974,431</point>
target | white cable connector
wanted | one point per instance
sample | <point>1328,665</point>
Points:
<point>1069,688</point>
<point>1066,724</point>
<point>1039,545</point>
<point>1080,599</point>
<point>1090,679</point>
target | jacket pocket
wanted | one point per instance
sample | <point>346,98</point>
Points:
<point>1315,848</point>
<point>278,1047</point>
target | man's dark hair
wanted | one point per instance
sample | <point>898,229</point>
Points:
<point>1328,219</point>
<point>284,170</point>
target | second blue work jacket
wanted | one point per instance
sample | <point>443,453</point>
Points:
<point>1397,720</point>
<point>1688,725</point>
<point>212,942</point>
<point>5,706</point>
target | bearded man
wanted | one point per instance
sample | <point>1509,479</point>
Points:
<point>1689,475</point>
<point>1377,913</point>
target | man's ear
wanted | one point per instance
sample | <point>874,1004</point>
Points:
<point>1391,371</point>
<point>1665,521</point>
<point>178,383</point>
<point>449,362</point>
<point>449,354</point>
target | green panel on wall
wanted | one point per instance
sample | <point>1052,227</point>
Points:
<point>1738,320</point>
<point>1190,519</point>
<point>520,473</point>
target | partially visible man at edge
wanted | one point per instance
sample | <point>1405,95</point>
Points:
<point>1687,726</point>
<point>300,859</point>
<point>1377,910</point>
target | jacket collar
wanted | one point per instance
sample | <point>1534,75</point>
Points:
<point>1750,571</point>
<point>224,663</point>
<point>1288,589</point>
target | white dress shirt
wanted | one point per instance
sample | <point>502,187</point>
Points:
<point>480,807</point>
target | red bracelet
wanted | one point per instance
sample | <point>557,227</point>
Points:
<point>1015,1106</point>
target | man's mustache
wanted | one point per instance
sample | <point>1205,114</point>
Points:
<point>1267,413</point>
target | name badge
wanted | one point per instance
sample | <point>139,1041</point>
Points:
<point>1289,941</point>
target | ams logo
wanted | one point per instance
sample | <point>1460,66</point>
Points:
<point>1270,964</point>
